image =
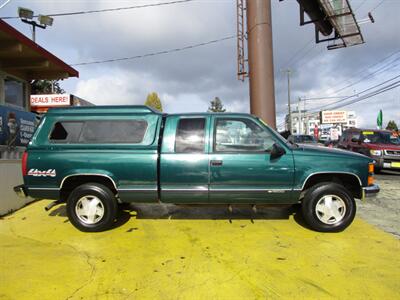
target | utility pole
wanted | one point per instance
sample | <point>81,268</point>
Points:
<point>300,120</point>
<point>289,72</point>
<point>261,66</point>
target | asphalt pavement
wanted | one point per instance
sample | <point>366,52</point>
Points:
<point>384,210</point>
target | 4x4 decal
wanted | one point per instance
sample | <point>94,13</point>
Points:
<point>38,173</point>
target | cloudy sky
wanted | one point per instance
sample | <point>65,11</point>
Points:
<point>188,80</point>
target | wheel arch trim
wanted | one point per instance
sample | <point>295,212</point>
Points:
<point>88,174</point>
<point>330,172</point>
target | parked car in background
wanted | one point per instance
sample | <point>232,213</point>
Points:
<point>381,145</point>
<point>302,139</point>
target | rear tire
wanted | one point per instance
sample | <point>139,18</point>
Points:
<point>328,207</point>
<point>92,207</point>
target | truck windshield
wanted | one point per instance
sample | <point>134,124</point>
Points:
<point>376,137</point>
<point>304,139</point>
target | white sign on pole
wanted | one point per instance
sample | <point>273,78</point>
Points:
<point>333,117</point>
<point>334,134</point>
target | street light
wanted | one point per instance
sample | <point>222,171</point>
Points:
<point>27,16</point>
<point>45,20</point>
<point>25,13</point>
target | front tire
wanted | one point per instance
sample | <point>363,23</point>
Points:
<point>328,207</point>
<point>92,207</point>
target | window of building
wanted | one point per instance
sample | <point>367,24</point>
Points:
<point>14,92</point>
<point>241,135</point>
<point>190,135</point>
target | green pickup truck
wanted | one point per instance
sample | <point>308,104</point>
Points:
<point>95,158</point>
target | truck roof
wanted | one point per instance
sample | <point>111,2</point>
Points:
<point>368,129</point>
<point>208,113</point>
<point>103,109</point>
<point>118,109</point>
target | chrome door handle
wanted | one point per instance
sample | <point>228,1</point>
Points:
<point>216,162</point>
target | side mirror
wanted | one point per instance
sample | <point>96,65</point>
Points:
<point>277,151</point>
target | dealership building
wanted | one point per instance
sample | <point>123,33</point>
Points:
<point>21,61</point>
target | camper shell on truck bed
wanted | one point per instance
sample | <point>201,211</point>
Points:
<point>95,158</point>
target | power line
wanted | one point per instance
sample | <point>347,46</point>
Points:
<point>108,9</point>
<point>156,53</point>
<point>297,52</point>
<point>323,98</point>
<point>362,92</point>
<point>379,70</point>
<point>368,89</point>
<point>380,91</point>
<point>379,4</point>
<point>370,66</point>
<point>383,68</point>
<point>358,7</point>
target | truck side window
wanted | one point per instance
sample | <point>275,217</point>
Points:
<point>99,131</point>
<point>66,132</point>
<point>234,135</point>
<point>113,131</point>
<point>355,136</point>
<point>190,135</point>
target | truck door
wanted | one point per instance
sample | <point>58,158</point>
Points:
<point>241,167</point>
<point>184,165</point>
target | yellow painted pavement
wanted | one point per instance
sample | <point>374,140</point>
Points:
<point>44,257</point>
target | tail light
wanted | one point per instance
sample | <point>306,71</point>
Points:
<point>24,163</point>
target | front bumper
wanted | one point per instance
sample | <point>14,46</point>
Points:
<point>386,162</point>
<point>370,191</point>
<point>21,191</point>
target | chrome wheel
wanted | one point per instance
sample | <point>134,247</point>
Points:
<point>89,209</point>
<point>330,209</point>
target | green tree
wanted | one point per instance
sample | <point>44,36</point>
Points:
<point>46,87</point>
<point>216,105</point>
<point>153,101</point>
<point>392,125</point>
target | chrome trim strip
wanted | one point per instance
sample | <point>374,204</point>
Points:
<point>49,189</point>
<point>225,190</point>
<point>331,172</point>
<point>139,190</point>
<point>184,190</point>
<point>252,190</point>
<point>390,154</point>
<point>196,188</point>
<point>87,174</point>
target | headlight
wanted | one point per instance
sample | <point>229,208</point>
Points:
<point>376,152</point>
